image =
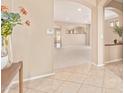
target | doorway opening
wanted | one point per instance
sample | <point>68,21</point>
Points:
<point>113,42</point>
<point>72,39</point>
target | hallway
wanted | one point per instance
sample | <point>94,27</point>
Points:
<point>72,55</point>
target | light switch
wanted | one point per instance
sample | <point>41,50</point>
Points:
<point>50,31</point>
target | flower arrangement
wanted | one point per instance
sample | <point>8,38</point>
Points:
<point>9,20</point>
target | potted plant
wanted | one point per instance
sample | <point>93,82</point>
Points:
<point>119,31</point>
<point>115,41</point>
<point>8,21</point>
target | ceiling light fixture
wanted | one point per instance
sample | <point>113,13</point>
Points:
<point>79,9</point>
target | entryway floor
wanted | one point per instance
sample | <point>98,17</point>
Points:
<point>85,78</point>
<point>116,67</point>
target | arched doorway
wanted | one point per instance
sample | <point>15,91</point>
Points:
<point>74,22</point>
<point>113,43</point>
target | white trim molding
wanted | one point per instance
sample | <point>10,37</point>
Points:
<point>34,78</point>
<point>115,60</point>
<point>100,65</point>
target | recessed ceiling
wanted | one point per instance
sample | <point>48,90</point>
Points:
<point>71,12</point>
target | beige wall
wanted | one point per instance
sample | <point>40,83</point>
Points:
<point>109,34</point>
<point>94,36</point>
<point>32,44</point>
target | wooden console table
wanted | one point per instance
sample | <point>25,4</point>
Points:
<point>9,73</point>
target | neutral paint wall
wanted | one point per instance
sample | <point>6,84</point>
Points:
<point>31,44</point>
<point>109,34</point>
<point>94,36</point>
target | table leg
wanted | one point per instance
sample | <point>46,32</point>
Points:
<point>21,79</point>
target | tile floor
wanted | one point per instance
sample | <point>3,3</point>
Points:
<point>116,68</point>
<point>84,78</point>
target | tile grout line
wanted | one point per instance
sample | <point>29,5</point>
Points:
<point>83,81</point>
<point>58,86</point>
<point>103,81</point>
<point>61,84</point>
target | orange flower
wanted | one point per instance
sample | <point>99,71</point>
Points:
<point>4,8</point>
<point>27,22</point>
<point>23,11</point>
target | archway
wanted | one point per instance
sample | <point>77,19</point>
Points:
<point>112,53</point>
<point>74,21</point>
<point>101,7</point>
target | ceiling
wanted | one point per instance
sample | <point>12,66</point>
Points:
<point>121,1</point>
<point>71,12</point>
<point>109,13</point>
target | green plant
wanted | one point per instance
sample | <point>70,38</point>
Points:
<point>118,30</point>
<point>8,21</point>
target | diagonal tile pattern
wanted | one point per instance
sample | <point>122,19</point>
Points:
<point>116,67</point>
<point>85,78</point>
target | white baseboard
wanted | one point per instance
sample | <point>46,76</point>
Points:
<point>115,60</point>
<point>29,79</point>
<point>98,65</point>
<point>35,77</point>
<point>110,61</point>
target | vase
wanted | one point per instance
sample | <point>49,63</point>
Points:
<point>115,41</point>
<point>4,54</point>
<point>4,57</point>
